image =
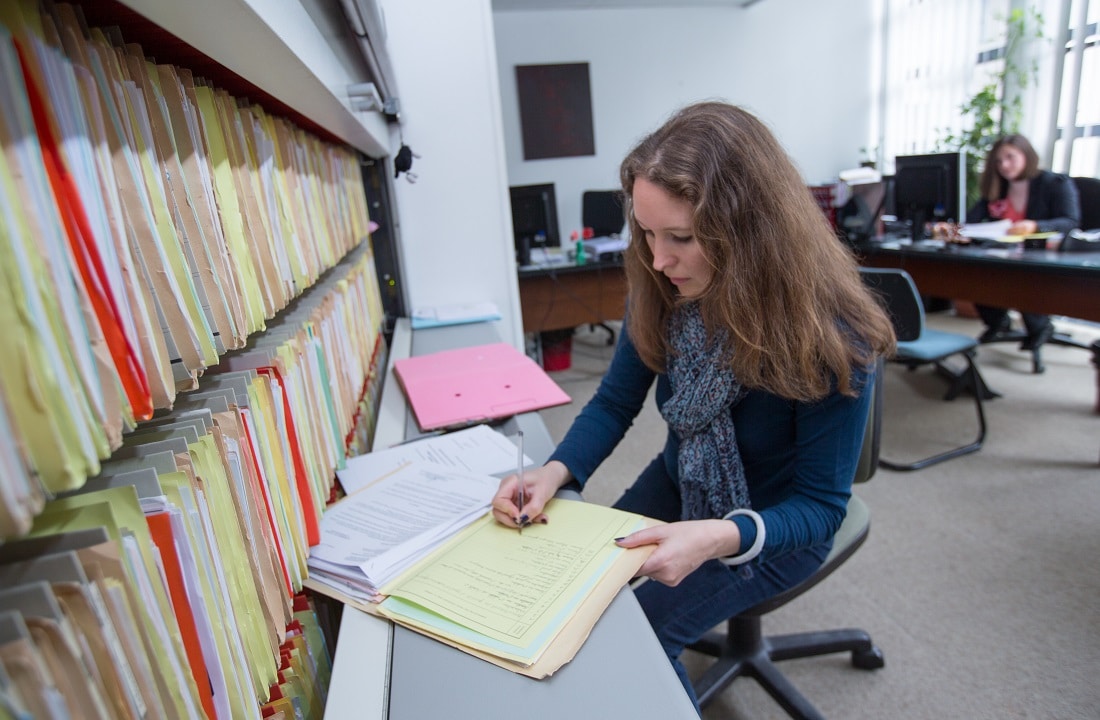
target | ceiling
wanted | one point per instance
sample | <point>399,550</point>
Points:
<point>614,4</point>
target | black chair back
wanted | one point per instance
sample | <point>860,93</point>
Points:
<point>1075,241</point>
<point>868,457</point>
<point>898,294</point>
<point>1088,189</point>
<point>602,210</point>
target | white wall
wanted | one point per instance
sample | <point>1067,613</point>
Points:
<point>803,66</point>
<point>455,225</point>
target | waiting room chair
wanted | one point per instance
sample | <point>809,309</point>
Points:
<point>743,650</point>
<point>1088,190</point>
<point>919,345</point>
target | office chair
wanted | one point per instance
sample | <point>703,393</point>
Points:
<point>919,345</point>
<point>1088,189</point>
<point>743,650</point>
<point>602,210</point>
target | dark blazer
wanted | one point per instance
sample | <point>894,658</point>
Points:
<point>1052,203</point>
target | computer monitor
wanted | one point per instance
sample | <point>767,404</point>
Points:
<point>930,188</point>
<point>889,197</point>
<point>534,218</point>
<point>602,210</point>
<point>860,218</point>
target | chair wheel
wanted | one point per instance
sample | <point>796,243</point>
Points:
<point>868,659</point>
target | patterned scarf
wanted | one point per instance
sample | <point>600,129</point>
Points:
<point>712,477</point>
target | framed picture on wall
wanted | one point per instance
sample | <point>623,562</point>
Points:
<point>555,110</point>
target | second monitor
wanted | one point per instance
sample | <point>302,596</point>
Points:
<point>930,188</point>
<point>534,219</point>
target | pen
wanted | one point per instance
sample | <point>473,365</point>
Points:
<point>519,472</point>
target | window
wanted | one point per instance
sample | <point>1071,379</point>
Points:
<point>1079,112</point>
<point>939,53</point>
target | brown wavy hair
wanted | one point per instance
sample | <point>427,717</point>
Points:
<point>992,185</point>
<point>788,291</point>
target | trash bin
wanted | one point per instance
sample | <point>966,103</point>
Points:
<point>557,350</point>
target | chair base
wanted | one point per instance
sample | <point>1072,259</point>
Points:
<point>960,381</point>
<point>1037,366</point>
<point>974,382</point>
<point>608,328</point>
<point>744,652</point>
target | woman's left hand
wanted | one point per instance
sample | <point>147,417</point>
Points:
<point>683,546</point>
<point>1023,227</point>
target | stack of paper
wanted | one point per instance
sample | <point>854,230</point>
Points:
<point>478,450</point>
<point>413,542</point>
<point>214,506</point>
<point>81,634</point>
<point>371,536</point>
<point>521,598</point>
<point>595,247</point>
<point>305,668</point>
<point>59,615</point>
<point>997,231</point>
<point>152,223</point>
<point>441,315</point>
<point>523,601</point>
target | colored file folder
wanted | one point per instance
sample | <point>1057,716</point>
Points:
<point>456,388</point>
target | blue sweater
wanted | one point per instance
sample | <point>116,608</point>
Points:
<point>799,458</point>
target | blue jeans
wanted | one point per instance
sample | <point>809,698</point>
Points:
<point>713,593</point>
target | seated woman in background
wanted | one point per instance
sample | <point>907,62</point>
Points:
<point>1035,201</point>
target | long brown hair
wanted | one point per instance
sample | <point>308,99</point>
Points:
<point>787,290</point>
<point>992,185</point>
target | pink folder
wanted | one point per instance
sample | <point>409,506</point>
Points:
<point>455,388</point>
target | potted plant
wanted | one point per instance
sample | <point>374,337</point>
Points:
<point>870,156</point>
<point>993,111</point>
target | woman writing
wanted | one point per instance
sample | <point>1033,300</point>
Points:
<point>752,319</point>
<point>1034,201</point>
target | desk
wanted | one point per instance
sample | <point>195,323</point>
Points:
<point>565,296</point>
<point>386,671</point>
<point>1040,281</point>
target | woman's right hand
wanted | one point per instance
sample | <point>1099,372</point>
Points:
<point>539,485</point>
<point>947,231</point>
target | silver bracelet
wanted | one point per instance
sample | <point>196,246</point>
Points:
<point>757,545</point>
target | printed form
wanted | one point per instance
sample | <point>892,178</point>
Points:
<point>508,593</point>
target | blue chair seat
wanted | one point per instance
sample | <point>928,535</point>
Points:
<point>920,345</point>
<point>935,345</point>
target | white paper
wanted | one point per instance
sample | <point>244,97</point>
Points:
<point>204,625</point>
<point>478,449</point>
<point>987,230</point>
<point>132,556</point>
<point>427,317</point>
<point>445,313</point>
<point>542,257</point>
<point>396,520</point>
<point>596,246</point>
